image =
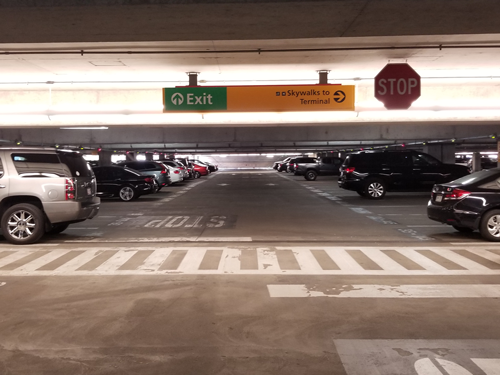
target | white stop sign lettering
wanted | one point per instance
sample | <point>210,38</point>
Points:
<point>403,86</point>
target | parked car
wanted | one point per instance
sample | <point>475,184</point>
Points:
<point>125,183</point>
<point>44,191</point>
<point>469,203</point>
<point>486,162</point>
<point>200,169</point>
<point>157,169</point>
<point>211,167</point>
<point>189,166</point>
<point>176,170</point>
<point>282,165</point>
<point>310,168</point>
<point>372,173</point>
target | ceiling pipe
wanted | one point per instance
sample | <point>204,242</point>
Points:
<point>258,50</point>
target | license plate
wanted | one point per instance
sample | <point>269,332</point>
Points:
<point>439,198</point>
<point>89,191</point>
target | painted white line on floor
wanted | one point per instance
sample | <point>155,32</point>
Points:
<point>386,291</point>
<point>426,226</point>
<point>166,239</point>
<point>360,210</point>
<point>80,228</point>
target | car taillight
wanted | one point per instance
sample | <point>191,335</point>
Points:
<point>455,194</point>
<point>349,170</point>
<point>163,171</point>
<point>295,166</point>
<point>149,180</point>
<point>176,171</point>
<point>70,189</point>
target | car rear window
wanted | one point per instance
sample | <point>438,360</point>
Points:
<point>76,163</point>
<point>39,165</point>
<point>473,178</point>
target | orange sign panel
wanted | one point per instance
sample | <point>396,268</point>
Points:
<point>290,98</point>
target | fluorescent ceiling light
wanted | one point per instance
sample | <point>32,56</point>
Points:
<point>85,127</point>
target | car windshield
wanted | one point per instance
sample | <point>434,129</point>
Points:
<point>477,176</point>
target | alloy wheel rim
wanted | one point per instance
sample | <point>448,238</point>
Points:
<point>21,224</point>
<point>494,225</point>
<point>375,189</point>
<point>126,193</point>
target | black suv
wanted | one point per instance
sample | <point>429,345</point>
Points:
<point>372,173</point>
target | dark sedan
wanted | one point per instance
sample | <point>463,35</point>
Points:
<point>469,203</point>
<point>122,182</point>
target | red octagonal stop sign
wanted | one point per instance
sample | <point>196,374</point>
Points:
<point>397,86</point>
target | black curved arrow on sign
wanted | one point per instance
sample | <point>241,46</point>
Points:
<point>339,96</point>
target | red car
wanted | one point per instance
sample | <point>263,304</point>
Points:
<point>200,170</point>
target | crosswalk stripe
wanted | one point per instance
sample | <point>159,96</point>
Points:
<point>299,260</point>
<point>462,261</point>
<point>24,260</point>
<point>478,259</point>
<point>95,262</point>
<point>439,259</point>
<point>344,260</point>
<point>136,260</point>
<point>324,260</point>
<point>402,260</point>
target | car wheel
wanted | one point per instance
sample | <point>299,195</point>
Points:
<point>361,192</point>
<point>23,224</point>
<point>311,175</point>
<point>490,225</point>
<point>127,193</point>
<point>197,174</point>
<point>58,228</point>
<point>375,189</point>
<point>463,229</point>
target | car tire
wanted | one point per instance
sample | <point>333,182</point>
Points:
<point>127,193</point>
<point>23,223</point>
<point>375,188</point>
<point>311,175</point>
<point>58,228</point>
<point>463,229</point>
<point>197,174</point>
<point>490,225</point>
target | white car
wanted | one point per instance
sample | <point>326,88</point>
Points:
<point>180,166</point>
<point>176,174</point>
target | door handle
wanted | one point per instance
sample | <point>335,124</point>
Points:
<point>2,186</point>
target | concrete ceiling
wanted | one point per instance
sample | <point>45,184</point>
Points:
<point>90,48</point>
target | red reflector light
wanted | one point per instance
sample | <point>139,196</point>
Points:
<point>148,180</point>
<point>70,189</point>
<point>349,170</point>
<point>456,194</point>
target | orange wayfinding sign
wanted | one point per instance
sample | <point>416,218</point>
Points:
<point>289,98</point>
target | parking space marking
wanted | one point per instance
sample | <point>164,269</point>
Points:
<point>128,260</point>
<point>419,357</point>
<point>385,291</point>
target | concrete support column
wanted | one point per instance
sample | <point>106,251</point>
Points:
<point>442,152</point>
<point>476,162</point>
<point>149,156</point>
<point>498,155</point>
<point>130,156</point>
<point>105,157</point>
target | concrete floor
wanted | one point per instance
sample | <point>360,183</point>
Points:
<point>105,297</point>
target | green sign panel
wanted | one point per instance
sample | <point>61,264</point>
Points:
<point>195,99</point>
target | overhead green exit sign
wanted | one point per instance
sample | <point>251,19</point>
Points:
<point>194,99</point>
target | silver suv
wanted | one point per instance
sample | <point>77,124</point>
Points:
<point>43,190</point>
